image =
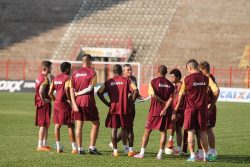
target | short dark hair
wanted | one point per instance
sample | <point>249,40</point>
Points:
<point>163,70</point>
<point>192,63</point>
<point>117,69</point>
<point>64,66</point>
<point>86,57</point>
<point>46,64</point>
<point>205,66</point>
<point>176,73</point>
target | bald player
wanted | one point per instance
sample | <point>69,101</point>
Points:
<point>212,110</point>
<point>194,88</point>
<point>83,103</point>
<point>119,115</point>
<point>160,112</point>
<point>43,105</point>
<point>62,108</point>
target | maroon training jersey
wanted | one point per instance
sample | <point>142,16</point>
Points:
<point>60,84</point>
<point>118,89</point>
<point>81,79</point>
<point>196,87</point>
<point>41,80</point>
<point>162,88</point>
<point>210,92</point>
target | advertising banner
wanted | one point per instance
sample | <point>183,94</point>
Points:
<point>17,86</point>
<point>234,95</point>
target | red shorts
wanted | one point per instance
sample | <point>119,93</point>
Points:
<point>158,123</point>
<point>86,114</point>
<point>63,117</point>
<point>43,114</point>
<point>116,121</point>
<point>180,119</point>
<point>195,119</point>
<point>211,117</point>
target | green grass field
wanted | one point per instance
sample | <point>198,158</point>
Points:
<point>18,138</point>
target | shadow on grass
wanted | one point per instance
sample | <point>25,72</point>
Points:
<point>235,159</point>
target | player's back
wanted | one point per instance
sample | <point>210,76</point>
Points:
<point>118,89</point>
<point>164,89</point>
<point>196,91</point>
<point>59,85</point>
<point>80,80</point>
<point>41,80</point>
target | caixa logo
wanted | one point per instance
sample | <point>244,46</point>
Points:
<point>11,86</point>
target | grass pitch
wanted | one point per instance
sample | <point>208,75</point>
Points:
<point>18,138</point>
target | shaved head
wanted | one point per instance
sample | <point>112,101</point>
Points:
<point>193,64</point>
<point>162,70</point>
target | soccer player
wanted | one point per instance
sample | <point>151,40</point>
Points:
<point>62,108</point>
<point>118,89</point>
<point>195,87</point>
<point>160,112</point>
<point>175,76</point>
<point>43,105</point>
<point>127,72</point>
<point>83,103</point>
<point>212,110</point>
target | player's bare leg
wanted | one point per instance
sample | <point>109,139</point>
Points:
<point>41,135</point>
<point>57,137</point>
<point>114,141</point>
<point>93,137</point>
<point>200,150</point>
<point>131,141</point>
<point>72,139</point>
<point>124,136</point>
<point>144,144</point>
<point>211,142</point>
<point>178,140</point>
<point>185,143</point>
<point>163,140</point>
<point>191,144</point>
<point>45,137</point>
<point>204,144</point>
<point>170,143</point>
<point>79,125</point>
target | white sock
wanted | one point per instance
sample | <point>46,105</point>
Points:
<point>92,147</point>
<point>179,148</point>
<point>160,152</point>
<point>45,143</point>
<point>212,150</point>
<point>58,145</point>
<point>192,155</point>
<point>40,143</point>
<point>170,138</point>
<point>130,149</point>
<point>80,149</point>
<point>115,151</point>
<point>142,151</point>
<point>74,147</point>
<point>125,147</point>
<point>204,155</point>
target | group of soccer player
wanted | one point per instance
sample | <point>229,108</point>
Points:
<point>174,104</point>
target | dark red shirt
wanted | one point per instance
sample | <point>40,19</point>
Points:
<point>164,89</point>
<point>210,92</point>
<point>118,89</point>
<point>80,80</point>
<point>60,85</point>
<point>41,80</point>
<point>196,89</point>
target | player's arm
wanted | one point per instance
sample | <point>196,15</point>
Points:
<point>67,90</point>
<point>73,98</point>
<point>89,88</point>
<point>216,91</point>
<point>100,94</point>
<point>153,95</point>
<point>135,92</point>
<point>42,90</point>
<point>167,105</point>
<point>180,98</point>
<point>51,90</point>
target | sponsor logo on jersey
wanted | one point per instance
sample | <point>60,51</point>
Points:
<point>164,85</point>
<point>116,83</point>
<point>58,82</point>
<point>81,74</point>
<point>199,84</point>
